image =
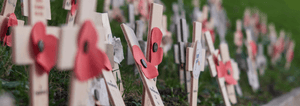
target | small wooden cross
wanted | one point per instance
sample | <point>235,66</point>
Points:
<point>8,8</point>
<point>156,17</point>
<point>114,48</point>
<point>289,54</point>
<point>195,61</point>
<point>180,47</point>
<point>252,49</point>
<point>212,66</point>
<point>261,60</point>
<point>67,53</point>
<point>67,5</point>
<point>226,58</point>
<point>238,37</point>
<point>25,7</point>
<point>22,52</point>
<point>278,48</point>
<point>252,75</point>
<point>149,84</point>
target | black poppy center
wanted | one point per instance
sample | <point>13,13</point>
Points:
<point>8,32</point>
<point>41,45</point>
<point>155,47</point>
<point>228,72</point>
<point>144,63</point>
<point>85,46</point>
<point>96,93</point>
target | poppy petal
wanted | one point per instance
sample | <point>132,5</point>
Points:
<point>157,56</point>
<point>45,57</point>
<point>149,70</point>
<point>90,61</point>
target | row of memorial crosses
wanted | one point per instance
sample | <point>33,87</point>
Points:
<point>81,48</point>
<point>94,57</point>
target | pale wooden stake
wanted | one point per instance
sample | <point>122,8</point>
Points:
<point>212,66</point>
<point>225,58</point>
<point>252,72</point>
<point>192,60</point>
<point>22,55</point>
<point>155,20</point>
<point>67,53</point>
<point>102,20</point>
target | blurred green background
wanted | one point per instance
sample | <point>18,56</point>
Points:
<point>285,14</point>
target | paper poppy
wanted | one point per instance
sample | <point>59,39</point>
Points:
<point>156,52</point>
<point>253,48</point>
<point>44,47</point>
<point>148,68</point>
<point>90,60</point>
<point>6,29</point>
<point>225,70</point>
<point>73,6</point>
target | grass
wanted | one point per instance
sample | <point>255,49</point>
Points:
<point>276,81</point>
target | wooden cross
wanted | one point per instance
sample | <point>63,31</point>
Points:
<point>67,53</point>
<point>167,37</point>
<point>250,49</point>
<point>252,75</point>
<point>25,7</point>
<point>226,58</point>
<point>238,37</point>
<point>149,84</point>
<point>261,60</point>
<point>180,48</point>
<point>195,61</point>
<point>23,55</point>
<point>8,7</point>
<point>112,43</point>
<point>278,48</point>
<point>139,30</point>
<point>212,66</point>
<point>67,5</point>
<point>289,54</point>
<point>156,17</point>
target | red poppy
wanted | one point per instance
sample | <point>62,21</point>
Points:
<point>5,29</point>
<point>225,70</point>
<point>148,68</point>
<point>156,52</point>
<point>73,7</point>
<point>253,48</point>
<point>44,46</point>
<point>90,60</point>
<point>290,56</point>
